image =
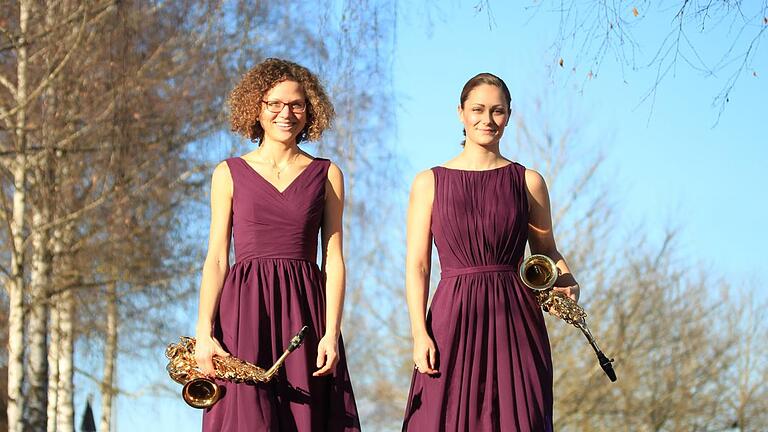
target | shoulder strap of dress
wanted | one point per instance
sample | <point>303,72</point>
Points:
<point>438,172</point>
<point>324,163</point>
<point>317,171</point>
<point>236,166</point>
<point>518,171</point>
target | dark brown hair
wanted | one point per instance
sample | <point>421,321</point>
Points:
<point>245,101</point>
<point>478,80</point>
<point>485,78</point>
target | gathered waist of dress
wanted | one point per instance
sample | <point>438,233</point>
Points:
<point>246,258</point>
<point>494,268</point>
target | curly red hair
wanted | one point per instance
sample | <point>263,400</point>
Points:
<point>245,100</point>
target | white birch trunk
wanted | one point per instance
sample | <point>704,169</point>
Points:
<point>110,359</point>
<point>37,323</point>
<point>15,407</point>
<point>65,305</point>
<point>53,365</point>
<point>64,309</point>
<point>65,418</point>
<point>16,305</point>
<point>49,114</point>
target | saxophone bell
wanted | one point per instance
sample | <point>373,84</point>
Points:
<point>539,272</point>
<point>201,393</point>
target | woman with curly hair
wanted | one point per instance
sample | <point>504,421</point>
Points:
<point>274,201</point>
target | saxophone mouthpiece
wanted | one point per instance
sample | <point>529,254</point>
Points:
<point>605,363</point>
<point>298,339</point>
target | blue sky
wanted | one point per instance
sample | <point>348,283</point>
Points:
<point>666,165</point>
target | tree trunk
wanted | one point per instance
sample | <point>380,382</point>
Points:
<point>16,284</point>
<point>65,418</point>
<point>64,408</point>
<point>67,277</point>
<point>110,359</point>
<point>37,323</point>
<point>53,364</point>
<point>16,304</point>
<point>48,182</point>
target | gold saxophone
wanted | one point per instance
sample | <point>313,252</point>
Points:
<point>539,273</point>
<point>200,391</point>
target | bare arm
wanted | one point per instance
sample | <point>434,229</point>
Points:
<point>334,270</point>
<point>216,266</point>
<point>417,269</point>
<point>541,238</point>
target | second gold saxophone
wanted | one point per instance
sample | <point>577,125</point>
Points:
<point>200,391</point>
<point>539,273</point>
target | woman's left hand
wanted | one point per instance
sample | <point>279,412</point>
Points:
<point>572,291</point>
<point>327,355</point>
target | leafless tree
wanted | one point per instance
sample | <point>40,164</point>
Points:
<point>68,175</point>
<point>589,33</point>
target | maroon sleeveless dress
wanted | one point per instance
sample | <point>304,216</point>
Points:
<point>492,346</point>
<point>274,288</point>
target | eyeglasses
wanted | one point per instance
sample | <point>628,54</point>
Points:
<point>277,106</point>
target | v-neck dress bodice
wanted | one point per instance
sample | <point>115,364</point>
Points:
<point>274,288</point>
<point>268,223</point>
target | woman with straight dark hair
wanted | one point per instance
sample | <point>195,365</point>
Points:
<point>482,353</point>
<point>274,201</point>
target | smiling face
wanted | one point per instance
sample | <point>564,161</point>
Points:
<point>485,114</point>
<point>286,125</point>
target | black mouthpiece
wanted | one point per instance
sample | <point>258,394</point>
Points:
<point>605,363</point>
<point>298,339</point>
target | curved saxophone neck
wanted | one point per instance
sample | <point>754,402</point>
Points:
<point>604,361</point>
<point>275,367</point>
<point>296,342</point>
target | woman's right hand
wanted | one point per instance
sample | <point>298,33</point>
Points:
<point>425,354</point>
<point>205,348</point>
